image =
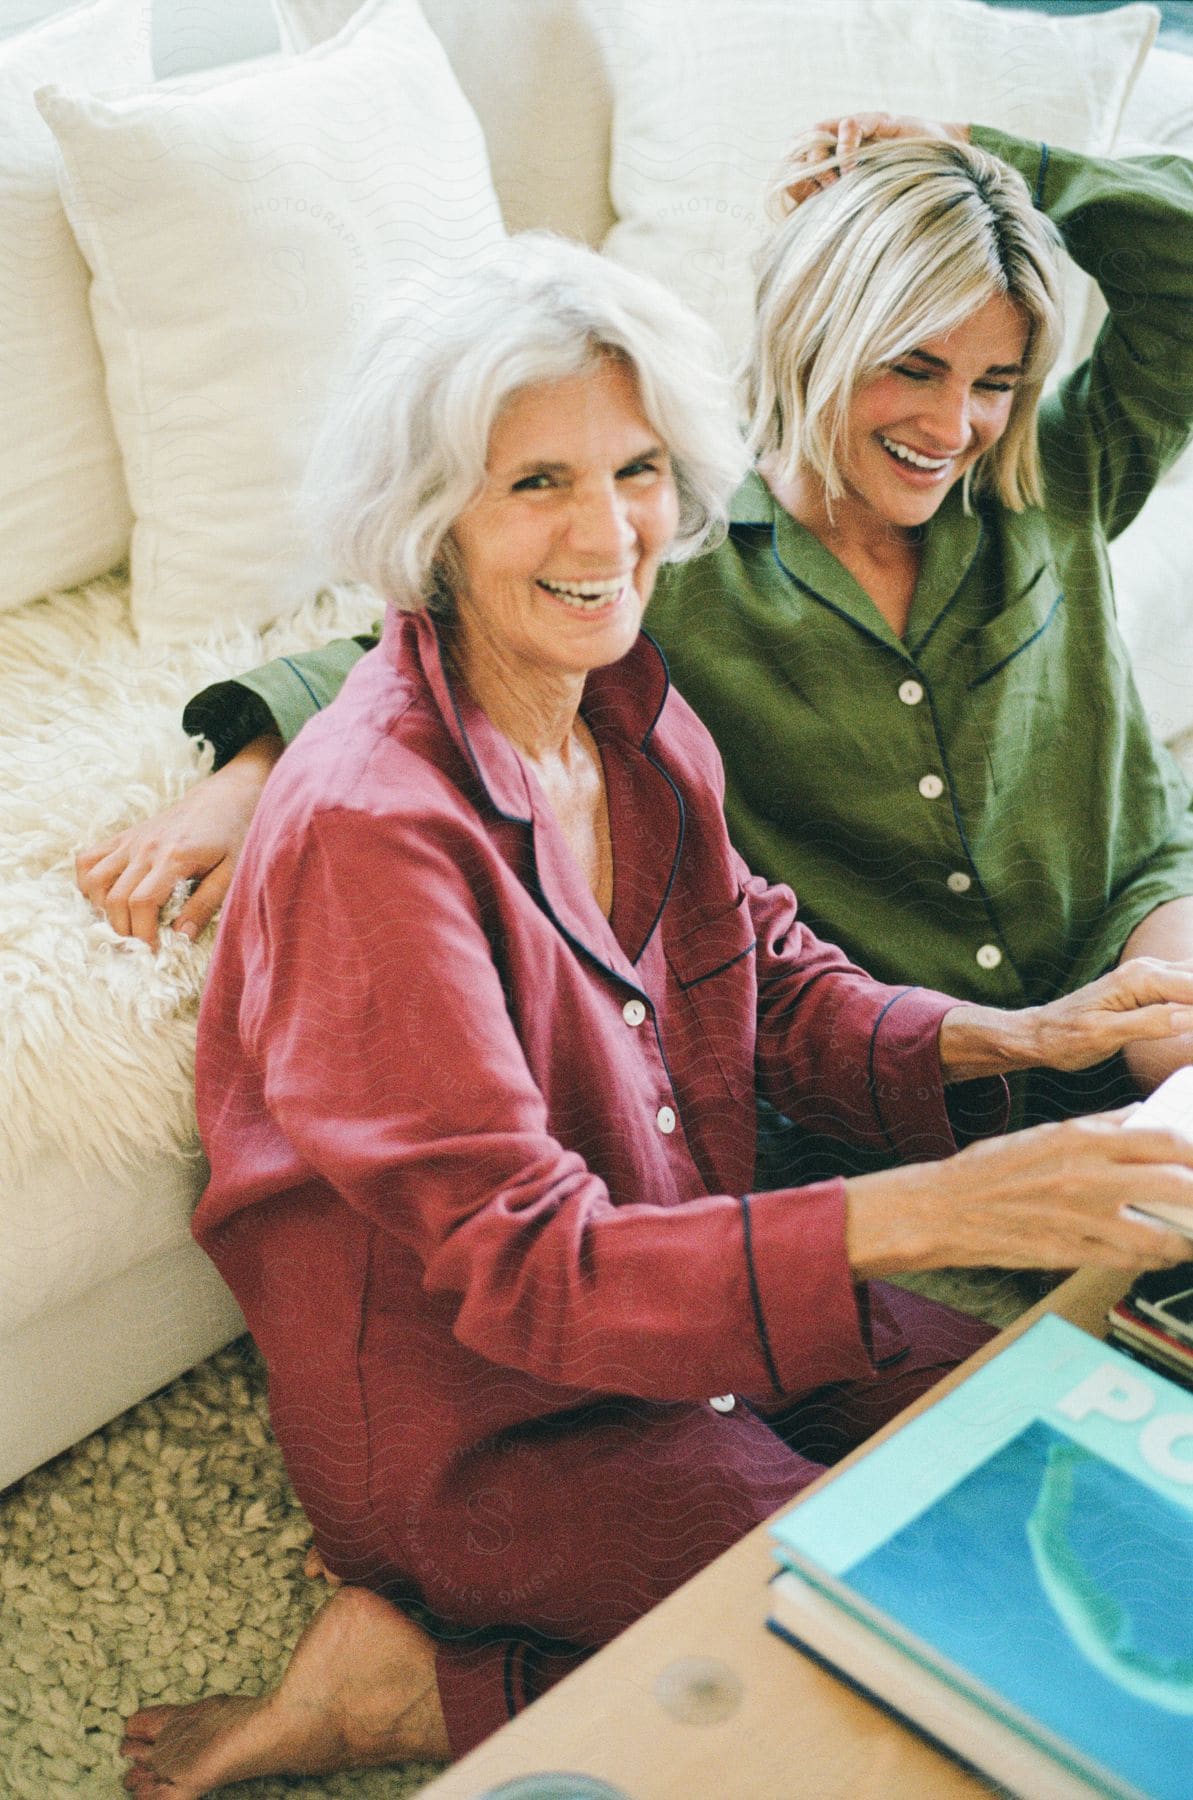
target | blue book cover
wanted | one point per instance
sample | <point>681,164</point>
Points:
<point>1030,1540</point>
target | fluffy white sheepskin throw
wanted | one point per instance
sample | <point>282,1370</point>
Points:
<point>97,1031</point>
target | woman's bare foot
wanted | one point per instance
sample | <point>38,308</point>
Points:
<point>315,1569</point>
<point>359,1692</point>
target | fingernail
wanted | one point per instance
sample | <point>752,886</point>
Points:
<point>188,929</point>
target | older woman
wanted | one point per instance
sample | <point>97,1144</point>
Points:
<point>478,1058</point>
<point>924,706</point>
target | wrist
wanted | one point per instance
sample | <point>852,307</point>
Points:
<point>257,757</point>
<point>893,1222</point>
<point>977,1041</point>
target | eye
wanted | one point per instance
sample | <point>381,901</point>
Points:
<point>996,387</point>
<point>532,484</point>
<point>912,374</point>
<point>642,465</point>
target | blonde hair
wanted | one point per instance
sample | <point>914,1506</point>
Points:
<point>404,446</point>
<point>913,238</point>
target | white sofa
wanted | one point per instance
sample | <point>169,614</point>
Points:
<point>103,1296</point>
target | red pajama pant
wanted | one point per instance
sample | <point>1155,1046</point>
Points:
<point>484,1681</point>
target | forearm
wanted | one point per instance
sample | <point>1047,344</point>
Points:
<point>1145,1000</point>
<point>1053,1197</point>
<point>978,1041</point>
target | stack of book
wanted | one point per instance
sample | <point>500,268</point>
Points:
<point>1012,1572</point>
<point>1154,1322</point>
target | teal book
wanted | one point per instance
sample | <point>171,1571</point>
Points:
<point>1024,1548</point>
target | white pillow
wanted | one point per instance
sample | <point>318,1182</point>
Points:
<point>240,237</point>
<point>708,93</point>
<point>1152,564</point>
<point>1152,561</point>
<point>1159,109</point>
<point>534,72</point>
<point>64,514</point>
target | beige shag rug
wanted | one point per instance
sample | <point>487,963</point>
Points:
<point>158,1560</point>
<point>162,1559</point>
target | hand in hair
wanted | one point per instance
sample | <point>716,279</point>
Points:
<point>820,153</point>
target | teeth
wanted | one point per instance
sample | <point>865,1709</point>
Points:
<point>913,457</point>
<point>586,593</point>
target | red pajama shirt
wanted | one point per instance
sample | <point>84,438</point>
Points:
<point>481,1164</point>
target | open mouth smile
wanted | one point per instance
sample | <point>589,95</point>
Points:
<point>915,459</point>
<point>587,596</point>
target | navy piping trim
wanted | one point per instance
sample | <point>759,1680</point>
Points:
<point>507,1676</point>
<point>571,937</point>
<point>989,674</point>
<point>683,822</point>
<point>663,1057</point>
<point>719,970</point>
<point>658,649</point>
<point>756,1297</point>
<point>510,818</point>
<point>299,676</point>
<point>824,601</point>
<point>984,892</point>
<point>1037,198</point>
<point>871,1072</point>
<point>947,608</point>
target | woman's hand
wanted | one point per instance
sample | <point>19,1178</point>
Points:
<point>1048,1198</point>
<point>198,838</point>
<point>819,154</point>
<point>1142,1000</point>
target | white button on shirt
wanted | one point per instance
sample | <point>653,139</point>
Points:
<point>959,882</point>
<point>665,1120</point>
<point>989,956</point>
<point>911,693</point>
<point>723,1402</point>
<point>931,787</point>
<point>633,1012</point>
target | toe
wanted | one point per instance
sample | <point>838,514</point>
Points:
<point>144,1725</point>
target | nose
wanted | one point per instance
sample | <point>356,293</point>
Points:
<point>600,525</point>
<point>946,416</point>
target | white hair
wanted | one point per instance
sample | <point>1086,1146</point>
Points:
<point>404,446</point>
<point>914,237</point>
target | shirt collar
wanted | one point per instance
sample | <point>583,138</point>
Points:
<point>951,542</point>
<point>753,503</point>
<point>623,700</point>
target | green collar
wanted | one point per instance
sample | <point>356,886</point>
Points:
<point>951,542</point>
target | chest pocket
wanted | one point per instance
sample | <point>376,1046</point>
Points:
<point>711,965</point>
<point>1031,623</point>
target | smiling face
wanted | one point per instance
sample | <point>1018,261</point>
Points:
<point>917,427</point>
<point>560,549</point>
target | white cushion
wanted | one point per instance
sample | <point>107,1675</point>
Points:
<point>240,237</point>
<point>1152,564</point>
<point>708,93</point>
<point>64,513</point>
<point>1153,560</point>
<point>536,77</point>
<point>1159,109</point>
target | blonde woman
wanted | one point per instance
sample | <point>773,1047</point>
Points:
<point>905,647</point>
